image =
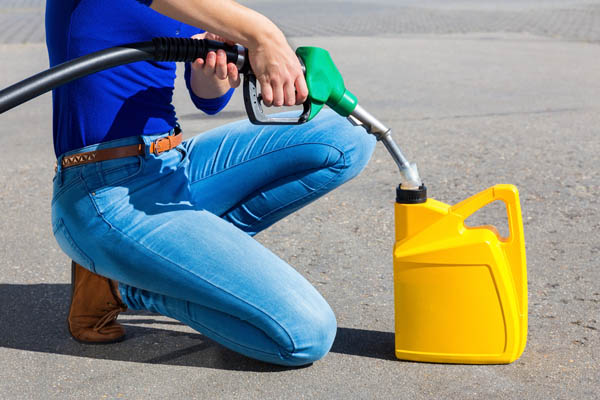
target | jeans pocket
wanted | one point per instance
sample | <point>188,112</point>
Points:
<point>111,173</point>
<point>67,244</point>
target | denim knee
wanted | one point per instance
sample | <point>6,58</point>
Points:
<point>355,144</point>
<point>314,338</point>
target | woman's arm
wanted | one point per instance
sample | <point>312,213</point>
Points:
<point>273,61</point>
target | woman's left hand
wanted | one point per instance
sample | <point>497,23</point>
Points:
<point>213,77</point>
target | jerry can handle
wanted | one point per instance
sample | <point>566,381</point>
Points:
<point>507,194</point>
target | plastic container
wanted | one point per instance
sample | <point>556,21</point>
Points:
<point>460,292</point>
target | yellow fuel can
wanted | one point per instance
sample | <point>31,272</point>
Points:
<point>460,292</point>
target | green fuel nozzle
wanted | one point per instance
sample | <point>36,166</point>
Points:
<point>326,87</point>
<point>325,83</point>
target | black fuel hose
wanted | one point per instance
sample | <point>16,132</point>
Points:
<point>159,49</point>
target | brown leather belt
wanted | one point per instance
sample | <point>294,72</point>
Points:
<point>158,146</point>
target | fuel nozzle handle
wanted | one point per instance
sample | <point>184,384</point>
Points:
<point>325,87</point>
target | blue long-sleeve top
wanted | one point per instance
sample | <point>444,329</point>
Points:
<point>129,100</point>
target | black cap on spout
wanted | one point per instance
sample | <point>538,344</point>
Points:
<point>405,196</point>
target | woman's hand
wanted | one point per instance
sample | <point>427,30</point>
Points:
<point>273,61</point>
<point>213,77</point>
<point>278,71</point>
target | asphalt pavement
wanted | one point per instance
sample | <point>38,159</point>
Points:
<point>477,93</point>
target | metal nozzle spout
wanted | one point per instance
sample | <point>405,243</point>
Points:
<point>409,172</point>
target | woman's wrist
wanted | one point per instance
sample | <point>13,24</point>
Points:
<point>267,34</point>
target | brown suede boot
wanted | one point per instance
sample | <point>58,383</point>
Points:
<point>94,308</point>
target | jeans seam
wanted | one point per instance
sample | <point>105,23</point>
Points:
<point>93,202</point>
<point>136,243</point>
<point>265,154</point>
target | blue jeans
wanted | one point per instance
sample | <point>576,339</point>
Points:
<point>175,229</point>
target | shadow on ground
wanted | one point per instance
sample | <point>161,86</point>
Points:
<point>34,319</point>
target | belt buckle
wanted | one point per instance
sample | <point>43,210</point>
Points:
<point>158,145</point>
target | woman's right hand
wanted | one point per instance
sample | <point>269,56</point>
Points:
<point>273,61</point>
<point>278,71</point>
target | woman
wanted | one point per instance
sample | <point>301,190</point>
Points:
<point>170,222</point>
